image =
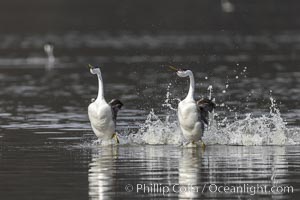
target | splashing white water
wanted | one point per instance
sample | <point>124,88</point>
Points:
<point>210,88</point>
<point>157,131</point>
<point>263,130</point>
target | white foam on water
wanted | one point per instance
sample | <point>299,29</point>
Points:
<point>157,131</point>
<point>264,130</point>
<point>267,129</point>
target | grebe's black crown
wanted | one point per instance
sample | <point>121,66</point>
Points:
<point>92,67</point>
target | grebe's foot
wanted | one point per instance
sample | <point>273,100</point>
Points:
<point>115,137</point>
<point>203,146</point>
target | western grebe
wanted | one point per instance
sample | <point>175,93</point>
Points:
<point>103,115</point>
<point>192,115</point>
<point>48,48</point>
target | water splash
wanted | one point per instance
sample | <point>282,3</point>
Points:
<point>210,89</point>
<point>168,101</point>
<point>263,130</point>
<point>157,131</point>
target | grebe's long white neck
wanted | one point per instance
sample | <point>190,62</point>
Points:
<point>100,96</point>
<point>190,95</point>
<point>97,71</point>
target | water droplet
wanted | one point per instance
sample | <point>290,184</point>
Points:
<point>210,91</point>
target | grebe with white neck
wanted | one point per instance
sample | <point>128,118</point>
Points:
<point>192,115</point>
<point>103,115</point>
<point>48,48</point>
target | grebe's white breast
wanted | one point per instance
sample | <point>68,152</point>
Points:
<point>101,118</point>
<point>188,116</point>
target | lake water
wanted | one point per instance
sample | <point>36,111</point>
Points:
<point>48,149</point>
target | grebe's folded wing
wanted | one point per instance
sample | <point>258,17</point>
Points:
<point>115,105</point>
<point>205,106</point>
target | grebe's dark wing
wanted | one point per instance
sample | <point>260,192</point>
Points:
<point>115,105</point>
<point>205,106</point>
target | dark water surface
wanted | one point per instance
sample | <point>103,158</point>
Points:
<point>48,150</point>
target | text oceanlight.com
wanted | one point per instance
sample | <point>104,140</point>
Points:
<point>251,189</point>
